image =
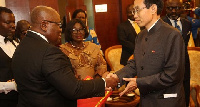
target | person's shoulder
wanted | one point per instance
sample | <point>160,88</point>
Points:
<point>90,44</point>
<point>65,47</point>
<point>125,23</point>
<point>167,29</point>
<point>197,11</point>
<point>186,20</point>
<point>91,47</point>
<point>164,18</point>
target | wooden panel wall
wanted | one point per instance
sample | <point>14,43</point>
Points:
<point>124,4</point>
<point>72,5</point>
<point>106,23</point>
<point>22,8</point>
<point>50,3</point>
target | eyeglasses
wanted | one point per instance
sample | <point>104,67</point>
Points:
<point>175,8</point>
<point>58,23</point>
<point>75,31</point>
<point>138,10</point>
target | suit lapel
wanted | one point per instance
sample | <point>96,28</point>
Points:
<point>130,27</point>
<point>184,30</point>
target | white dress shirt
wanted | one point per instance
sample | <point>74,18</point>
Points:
<point>9,49</point>
<point>178,22</point>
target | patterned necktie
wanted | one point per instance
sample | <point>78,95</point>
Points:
<point>177,26</point>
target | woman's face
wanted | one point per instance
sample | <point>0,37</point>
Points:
<point>81,16</point>
<point>78,33</point>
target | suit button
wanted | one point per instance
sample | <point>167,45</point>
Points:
<point>146,39</point>
<point>142,67</point>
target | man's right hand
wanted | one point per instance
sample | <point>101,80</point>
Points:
<point>111,80</point>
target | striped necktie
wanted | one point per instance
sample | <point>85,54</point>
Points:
<point>177,26</point>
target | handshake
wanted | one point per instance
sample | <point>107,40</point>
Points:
<point>112,81</point>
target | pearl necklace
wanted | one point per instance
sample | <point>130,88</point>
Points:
<point>77,46</point>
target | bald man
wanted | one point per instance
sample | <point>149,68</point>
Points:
<point>174,9</point>
<point>43,73</point>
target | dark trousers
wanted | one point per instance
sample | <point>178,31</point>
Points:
<point>8,103</point>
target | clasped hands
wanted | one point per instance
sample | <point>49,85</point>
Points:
<point>8,86</point>
<point>112,80</point>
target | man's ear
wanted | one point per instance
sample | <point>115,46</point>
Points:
<point>43,26</point>
<point>153,9</point>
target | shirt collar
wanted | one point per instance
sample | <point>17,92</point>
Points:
<point>173,20</point>
<point>2,39</point>
<point>152,25</point>
<point>42,36</point>
<point>130,21</point>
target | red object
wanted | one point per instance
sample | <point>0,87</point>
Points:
<point>94,101</point>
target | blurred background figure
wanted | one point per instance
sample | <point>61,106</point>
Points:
<point>192,14</point>
<point>126,32</point>
<point>81,14</point>
<point>85,57</point>
<point>174,10</point>
<point>8,90</point>
<point>21,30</point>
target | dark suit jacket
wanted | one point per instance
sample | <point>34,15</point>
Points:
<point>186,30</point>
<point>45,78</point>
<point>158,62</point>
<point>126,35</point>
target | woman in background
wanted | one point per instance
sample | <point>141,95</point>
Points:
<point>80,14</point>
<point>86,57</point>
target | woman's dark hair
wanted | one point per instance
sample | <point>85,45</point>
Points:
<point>69,27</point>
<point>159,4</point>
<point>78,11</point>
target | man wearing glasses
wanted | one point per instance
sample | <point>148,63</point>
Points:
<point>43,73</point>
<point>174,9</point>
<point>159,60</point>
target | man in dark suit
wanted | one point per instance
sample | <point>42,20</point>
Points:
<point>174,10</point>
<point>126,35</point>
<point>43,73</point>
<point>8,92</point>
<point>159,59</point>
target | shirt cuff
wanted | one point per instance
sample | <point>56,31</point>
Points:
<point>7,87</point>
<point>104,81</point>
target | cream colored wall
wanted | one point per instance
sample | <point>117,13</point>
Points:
<point>2,3</point>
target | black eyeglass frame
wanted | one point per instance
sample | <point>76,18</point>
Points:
<point>82,31</point>
<point>58,23</point>
<point>174,7</point>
